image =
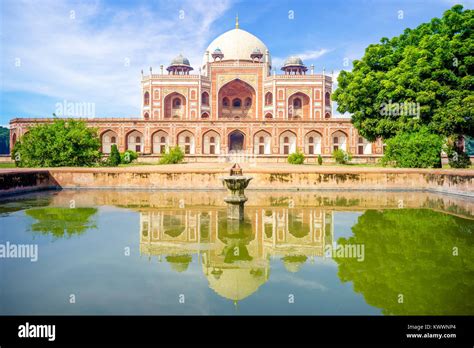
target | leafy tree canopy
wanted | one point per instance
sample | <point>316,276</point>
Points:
<point>61,143</point>
<point>426,256</point>
<point>62,222</point>
<point>4,140</point>
<point>173,156</point>
<point>419,149</point>
<point>431,65</point>
<point>114,158</point>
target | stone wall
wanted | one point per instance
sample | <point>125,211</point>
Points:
<point>183,177</point>
<point>13,182</point>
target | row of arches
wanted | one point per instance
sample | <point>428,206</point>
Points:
<point>236,103</point>
<point>237,99</point>
<point>205,98</point>
<point>211,142</point>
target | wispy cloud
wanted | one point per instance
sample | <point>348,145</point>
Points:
<point>92,52</point>
<point>297,281</point>
<point>305,56</point>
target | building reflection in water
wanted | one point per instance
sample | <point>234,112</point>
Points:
<point>235,256</point>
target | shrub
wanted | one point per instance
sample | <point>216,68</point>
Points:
<point>417,149</point>
<point>458,158</point>
<point>114,157</point>
<point>174,155</point>
<point>296,158</point>
<point>60,143</point>
<point>320,160</point>
<point>128,157</point>
<point>341,156</point>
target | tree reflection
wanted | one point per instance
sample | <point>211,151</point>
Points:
<point>422,255</point>
<point>293,263</point>
<point>179,263</point>
<point>62,222</point>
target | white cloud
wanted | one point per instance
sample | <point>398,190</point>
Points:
<point>277,62</point>
<point>307,55</point>
<point>82,55</point>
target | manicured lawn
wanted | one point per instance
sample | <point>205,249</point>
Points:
<point>7,165</point>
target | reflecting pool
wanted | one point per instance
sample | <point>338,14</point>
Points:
<point>321,253</point>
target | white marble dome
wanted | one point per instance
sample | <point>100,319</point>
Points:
<point>236,44</point>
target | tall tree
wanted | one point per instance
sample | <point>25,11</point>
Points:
<point>4,140</point>
<point>424,255</point>
<point>61,143</point>
<point>431,65</point>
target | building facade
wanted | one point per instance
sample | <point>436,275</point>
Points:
<point>235,105</point>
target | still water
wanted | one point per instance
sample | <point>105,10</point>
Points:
<point>321,253</point>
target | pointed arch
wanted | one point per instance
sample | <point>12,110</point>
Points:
<point>175,105</point>
<point>211,143</point>
<point>268,98</point>
<point>107,139</point>
<point>205,98</point>
<point>262,143</point>
<point>236,140</point>
<point>312,142</point>
<point>364,147</point>
<point>135,140</point>
<point>146,98</point>
<point>298,105</point>
<point>160,141</point>
<point>185,140</point>
<point>287,142</point>
<point>339,140</point>
<point>235,99</point>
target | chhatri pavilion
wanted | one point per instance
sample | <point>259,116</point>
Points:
<point>236,104</point>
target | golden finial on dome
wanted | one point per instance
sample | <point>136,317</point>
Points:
<point>237,21</point>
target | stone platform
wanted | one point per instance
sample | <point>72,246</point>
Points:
<point>266,177</point>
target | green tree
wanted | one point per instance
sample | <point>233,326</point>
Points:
<point>57,144</point>
<point>431,65</point>
<point>426,256</point>
<point>456,156</point>
<point>62,222</point>
<point>114,158</point>
<point>296,157</point>
<point>128,157</point>
<point>4,140</point>
<point>179,263</point>
<point>341,156</point>
<point>420,149</point>
<point>173,156</point>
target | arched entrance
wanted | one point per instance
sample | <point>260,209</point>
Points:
<point>236,141</point>
<point>236,99</point>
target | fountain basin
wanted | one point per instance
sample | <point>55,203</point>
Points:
<point>236,185</point>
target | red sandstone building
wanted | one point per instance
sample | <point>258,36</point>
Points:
<point>236,104</point>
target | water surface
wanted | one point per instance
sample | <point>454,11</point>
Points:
<point>144,252</point>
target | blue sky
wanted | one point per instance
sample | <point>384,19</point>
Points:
<point>93,51</point>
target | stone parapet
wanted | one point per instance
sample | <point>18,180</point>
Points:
<point>269,177</point>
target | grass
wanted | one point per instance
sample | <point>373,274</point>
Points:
<point>134,164</point>
<point>7,165</point>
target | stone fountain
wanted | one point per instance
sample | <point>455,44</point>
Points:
<point>236,183</point>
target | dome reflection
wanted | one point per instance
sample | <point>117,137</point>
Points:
<point>235,256</point>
